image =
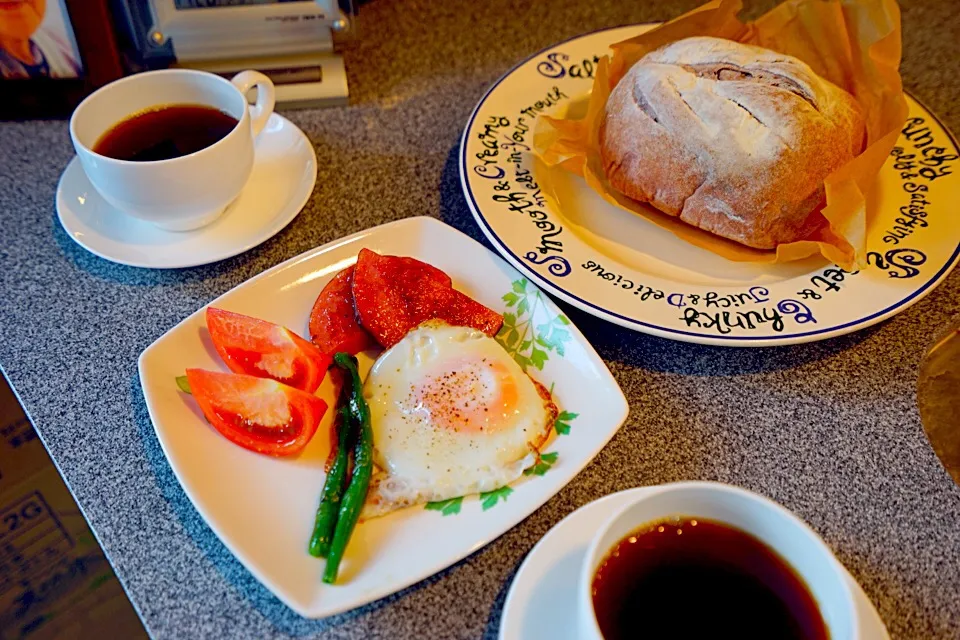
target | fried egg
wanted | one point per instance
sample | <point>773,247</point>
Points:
<point>452,414</point>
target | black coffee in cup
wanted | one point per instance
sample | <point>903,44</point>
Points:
<point>165,132</point>
<point>696,578</point>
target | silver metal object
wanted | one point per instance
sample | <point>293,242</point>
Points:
<point>292,42</point>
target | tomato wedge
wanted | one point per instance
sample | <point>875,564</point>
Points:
<point>266,350</point>
<point>393,295</point>
<point>333,320</point>
<point>258,414</point>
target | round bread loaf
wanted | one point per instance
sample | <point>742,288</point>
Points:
<point>732,138</point>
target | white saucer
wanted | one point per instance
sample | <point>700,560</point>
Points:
<point>542,602</point>
<point>284,172</point>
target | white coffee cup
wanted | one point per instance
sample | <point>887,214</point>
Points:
<point>182,193</point>
<point>794,541</point>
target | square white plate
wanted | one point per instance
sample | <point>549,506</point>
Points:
<point>263,508</point>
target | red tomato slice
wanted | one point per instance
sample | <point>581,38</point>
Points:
<point>333,320</point>
<point>393,295</point>
<point>258,414</point>
<point>266,350</point>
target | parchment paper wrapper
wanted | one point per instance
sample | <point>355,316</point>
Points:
<point>853,43</point>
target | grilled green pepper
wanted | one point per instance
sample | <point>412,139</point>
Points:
<point>356,493</point>
<point>326,519</point>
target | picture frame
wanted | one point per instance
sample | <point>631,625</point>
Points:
<point>94,45</point>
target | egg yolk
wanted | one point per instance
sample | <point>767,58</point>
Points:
<point>470,396</point>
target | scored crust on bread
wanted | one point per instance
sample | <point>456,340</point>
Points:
<point>731,138</point>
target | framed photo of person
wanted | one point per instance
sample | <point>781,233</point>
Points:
<point>52,53</point>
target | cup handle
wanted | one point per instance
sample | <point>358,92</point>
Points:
<point>266,97</point>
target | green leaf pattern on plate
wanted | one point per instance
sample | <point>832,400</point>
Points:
<point>489,499</point>
<point>446,507</point>
<point>530,334</point>
<point>562,424</point>
<point>547,460</point>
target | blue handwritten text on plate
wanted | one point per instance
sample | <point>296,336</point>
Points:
<point>553,66</point>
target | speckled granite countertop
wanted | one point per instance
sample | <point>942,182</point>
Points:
<point>829,429</point>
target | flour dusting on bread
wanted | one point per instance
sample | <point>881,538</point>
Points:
<point>732,138</point>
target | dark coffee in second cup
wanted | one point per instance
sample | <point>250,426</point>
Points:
<point>695,578</point>
<point>165,132</point>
